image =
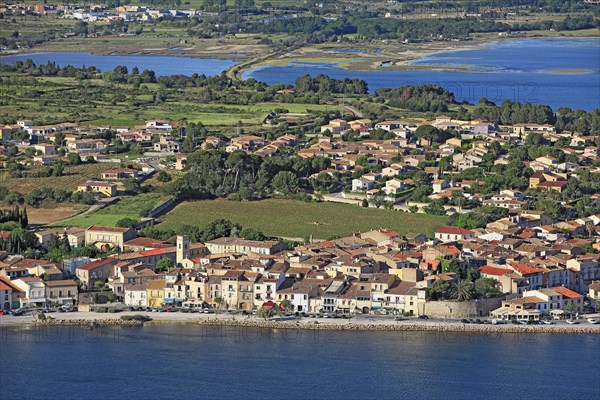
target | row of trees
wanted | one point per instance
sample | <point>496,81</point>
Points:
<point>216,229</point>
<point>13,215</point>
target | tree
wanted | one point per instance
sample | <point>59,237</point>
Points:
<point>126,223</point>
<point>378,200</point>
<point>74,159</point>
<point>265,312</point>
<point>440,289</point>
<point>286,304</point>
<point>285,182</point>
<point>163,176</point>
<point>486,287</point>
<point>252,234</point>
<point>219,301</point>
<point>570,308</point>
<point>463,291</point>
<point>165,264</point>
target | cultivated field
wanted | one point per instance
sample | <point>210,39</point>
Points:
<point>290,218</point>
<point>127,207</point>
<point>48,215</point>
<point>73,176</point>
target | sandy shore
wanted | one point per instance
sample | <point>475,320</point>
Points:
<point>362,323</point>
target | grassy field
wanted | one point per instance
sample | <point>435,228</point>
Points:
<point>290,218</point>
<point>73,176</point>
<point>127,207</point>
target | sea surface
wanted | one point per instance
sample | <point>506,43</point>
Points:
<point>187,361</point>
<point>161,65</point>
<point>556,72</point>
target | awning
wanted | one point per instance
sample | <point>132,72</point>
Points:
<point>557,312</point>
<point>269,304</point>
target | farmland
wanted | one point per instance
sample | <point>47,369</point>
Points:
<point>127,207</point>
<point>290,218</point>
<point>73,176</point>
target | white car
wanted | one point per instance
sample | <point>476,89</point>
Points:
<point>592,320</point>
<point>547,322</point>
<point>572,321</point>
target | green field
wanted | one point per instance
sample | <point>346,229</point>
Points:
<point>290,218</point>
<point>127,207</point>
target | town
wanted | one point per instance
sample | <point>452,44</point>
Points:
<point>505,257</point>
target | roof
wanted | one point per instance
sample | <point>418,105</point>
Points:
<point>107,229</point>
<point>525,269</point>
<point>453,230</point>
<point>98,263</point>
<point>567,292</point>
<point>156,284</point>
<point>497,271</point>
<point>157,252</point>
<point>10,285</point>
<point>62,282</point>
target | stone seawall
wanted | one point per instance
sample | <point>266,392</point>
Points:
<point>402,327</point>
<point>87,322</point>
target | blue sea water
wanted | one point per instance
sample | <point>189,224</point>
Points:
<point>186,361</point>
<point>516,70</point>
<point>162,65</point>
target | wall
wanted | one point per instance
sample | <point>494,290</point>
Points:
<point>462,309</point>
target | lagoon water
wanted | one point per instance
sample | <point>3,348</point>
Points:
<point>187,361</point>
<point>556,72</point>
<point>162,65</point>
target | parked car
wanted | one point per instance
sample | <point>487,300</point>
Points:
<point>523,322</point>
<point>592,320</point>
<point>465,321</point>
<point>423,317</point>
<point>572,321</point>
<point>548,322</point>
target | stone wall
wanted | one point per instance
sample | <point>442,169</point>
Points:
<point>461,309</point>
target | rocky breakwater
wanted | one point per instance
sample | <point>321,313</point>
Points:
<point>88,322</point>
<point>402,326</point>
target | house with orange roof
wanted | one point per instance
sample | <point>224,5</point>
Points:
<point>10,294</point>
<point>106,237</point>
<point>96,270</point>
<point>452,234</point>
<point>570,299</point>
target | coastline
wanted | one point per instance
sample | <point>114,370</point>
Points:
<point>362,323</point>
<point>399,61</point>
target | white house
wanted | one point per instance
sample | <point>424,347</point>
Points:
<point>135,295</point>
<point>35,291</point>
